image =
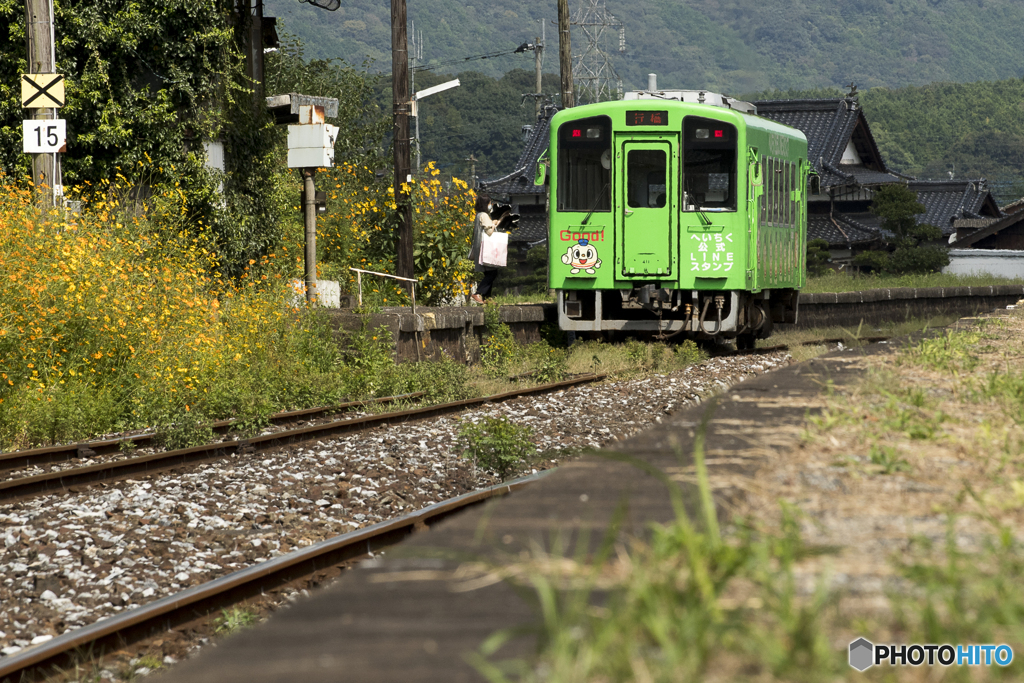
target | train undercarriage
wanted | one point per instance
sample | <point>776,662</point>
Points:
<point>680,313</point>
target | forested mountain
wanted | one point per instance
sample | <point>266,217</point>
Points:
<point>939,79</point>
<point>729,45</point>
<point>969,130</point>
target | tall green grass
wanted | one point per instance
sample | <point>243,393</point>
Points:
<point>853,282</point>
<point>691,602</point>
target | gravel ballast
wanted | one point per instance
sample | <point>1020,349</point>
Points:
<point>68,560</point>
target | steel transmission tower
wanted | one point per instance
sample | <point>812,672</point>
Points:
<point>595,77</point>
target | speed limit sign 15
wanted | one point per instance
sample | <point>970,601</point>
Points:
<point>44,135</point>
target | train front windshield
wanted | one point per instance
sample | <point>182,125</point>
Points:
<point>584,165</point>
<point>709,164</point>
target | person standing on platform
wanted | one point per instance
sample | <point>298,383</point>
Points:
<point>484,224</point>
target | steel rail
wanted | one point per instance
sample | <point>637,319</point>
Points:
<point>785,347</point>
<point>51,454</point>
<point>197,602</point>
<point>27,487</point>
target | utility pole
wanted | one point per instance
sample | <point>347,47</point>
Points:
<point>417,57</point>
<point>39,39</point>
<point>472,171</point>
<point>400,95</point>
<point>565,54</point>
<point>538,58</point>
<point>309,222</point>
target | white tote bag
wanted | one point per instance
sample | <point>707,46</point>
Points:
<point>494,249</point>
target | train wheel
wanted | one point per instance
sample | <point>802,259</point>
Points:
<point>745,342</point>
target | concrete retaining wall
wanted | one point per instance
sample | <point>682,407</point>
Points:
<point>877,306</point>
<point>459,331</point>
<point>456,331</point>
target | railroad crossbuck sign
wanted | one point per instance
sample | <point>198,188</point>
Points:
<point>42,91</point>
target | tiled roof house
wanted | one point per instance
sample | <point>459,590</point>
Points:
<point>954,201</point>
<point>839,141</point>
<point>844,153</point>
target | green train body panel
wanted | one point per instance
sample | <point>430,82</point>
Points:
<point>620,242</point>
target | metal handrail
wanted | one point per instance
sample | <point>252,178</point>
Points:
<point>359,282</point>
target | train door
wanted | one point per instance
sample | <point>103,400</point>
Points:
<point>755,197</point>
<point>646,200</point>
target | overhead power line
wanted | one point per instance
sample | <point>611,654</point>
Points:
<point>450,62</point>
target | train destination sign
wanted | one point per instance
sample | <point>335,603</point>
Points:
<point>646,118</point>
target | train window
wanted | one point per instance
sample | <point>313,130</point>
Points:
<point>584,165</point>
<point>776,179</point>
<point>764,191</point>
<point>777,192</point>
<point>794,181</point>
<point>645,178</point>
<point>786,202</point>
<point>773,212</point>
<point>780,187</point>
<point>709,164</point>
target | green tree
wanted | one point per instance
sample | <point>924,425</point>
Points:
<point>911,252</point>
<point>146,86</point>
<point>817,257</point>
<point>140,81</point>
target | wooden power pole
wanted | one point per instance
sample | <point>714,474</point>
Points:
<point>39,38</point>
<point>538,59</point>
<point>400,94</point>
<point>565,54</point>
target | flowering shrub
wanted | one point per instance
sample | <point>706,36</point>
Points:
<point>118,317</point>
<point>109,321</point>
<point>444,232</point>
<point>359,231</point>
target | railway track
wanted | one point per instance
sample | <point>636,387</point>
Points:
<point>813,342</point>
<point>37,457</point>
<point>200,602</point>
<point>20,488</point>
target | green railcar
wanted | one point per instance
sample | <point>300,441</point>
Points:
<point>678,214</point>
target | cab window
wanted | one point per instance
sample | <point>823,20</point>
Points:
<point>709,164</point>
<point>584,165</point>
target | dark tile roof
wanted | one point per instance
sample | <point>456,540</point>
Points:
<point>994,226</point>
<point>520,181</point>
<point>830,125</point>
<point>1013,207</point>
<point>533,227</point>
<point>947,201</point>
<point>841,230</point>
<point>867,176</point>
